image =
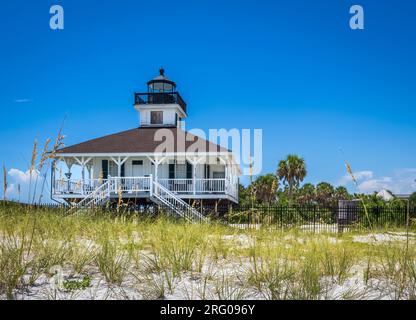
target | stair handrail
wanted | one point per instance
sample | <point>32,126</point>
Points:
<point>171,195</point>
<point>91,196</point>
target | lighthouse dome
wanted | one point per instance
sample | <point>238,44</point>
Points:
<point>161,83</point>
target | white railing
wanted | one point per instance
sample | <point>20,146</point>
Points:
<point>211,185</point>
<point>94,199</point>
<point>201,186</point>
<point>77,186</point>
<point>158,193</point>
<point>178,185</point>
<point>143,184</point>
<point>130,184</point>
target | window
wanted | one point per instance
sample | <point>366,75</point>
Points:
<point>188,170</point>
<point>218,174</point>
<point>137,162</point>
<point>156,117</point>
<point>112,169</point>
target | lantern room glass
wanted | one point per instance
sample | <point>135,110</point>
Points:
<point>161,86</point>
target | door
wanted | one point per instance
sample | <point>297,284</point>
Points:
<point>104,169</point>
<point>137,171</point>
<point>137,166</point>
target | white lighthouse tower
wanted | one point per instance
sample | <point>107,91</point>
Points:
<point>161,105</point>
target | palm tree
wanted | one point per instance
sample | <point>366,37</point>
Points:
<point>341,193</point>
<point>292,171</point>
<point>306,193</point>
<point>264,188</point>
<point>324,193</point>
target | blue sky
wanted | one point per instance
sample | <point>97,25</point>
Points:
<point>292,68</point>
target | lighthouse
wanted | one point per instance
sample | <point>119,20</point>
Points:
<point>161,105</point>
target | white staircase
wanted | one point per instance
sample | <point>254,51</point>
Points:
<point>173,204</point>
<point>158,194</point>
<point>95,199</point>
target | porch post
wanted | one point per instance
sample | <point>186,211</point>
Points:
<point>226,174</point>
<point>53,172</point>
<point>89,167</point>
<point>83,163</point>
<point>194,176</point>
<point>83,169</point>
<point>119,162</point>
<point>156,174</point>
<point>156,162</point>
<point>82,175</point>
<point>194,161</point>
<point>119,167</point>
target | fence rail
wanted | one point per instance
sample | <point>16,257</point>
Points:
<point>313,218</point>
<point>318,218</point>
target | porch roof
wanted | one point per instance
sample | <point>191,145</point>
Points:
<point>141,140</point>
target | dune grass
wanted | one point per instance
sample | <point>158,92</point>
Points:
<point>136,257</point>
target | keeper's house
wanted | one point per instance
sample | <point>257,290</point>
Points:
<point>157,162</point>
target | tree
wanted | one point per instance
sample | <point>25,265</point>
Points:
<point>324,193</point>
<point>292,171</point>
<point>264,188</point>
<point>306,193</point>
<point>243,195</point>
<point>341,193</point>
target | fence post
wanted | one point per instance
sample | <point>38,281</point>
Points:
<point>407,225</point>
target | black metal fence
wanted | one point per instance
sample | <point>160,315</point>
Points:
<point>344,217</point>
<point>320,218</point>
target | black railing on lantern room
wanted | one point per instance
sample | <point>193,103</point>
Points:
<point>160,98</point>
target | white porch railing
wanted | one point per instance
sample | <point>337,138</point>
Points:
<point>143,184</point>
<point>130,184</point>
<point>77,186</point>
<point>201,186</point>
<point>211,185</point>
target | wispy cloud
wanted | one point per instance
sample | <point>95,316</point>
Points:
<point>359,175</point>
<point>22,100</point>
<point>400,181</point>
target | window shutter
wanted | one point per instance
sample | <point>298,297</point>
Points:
<point>122,170</point>
<point>171,171</point>
<point>104,166</point>
<point>188,170</point>
<point>207,171</point>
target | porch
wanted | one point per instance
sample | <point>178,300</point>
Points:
<point>134,186</point>
<point>132,176</point>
